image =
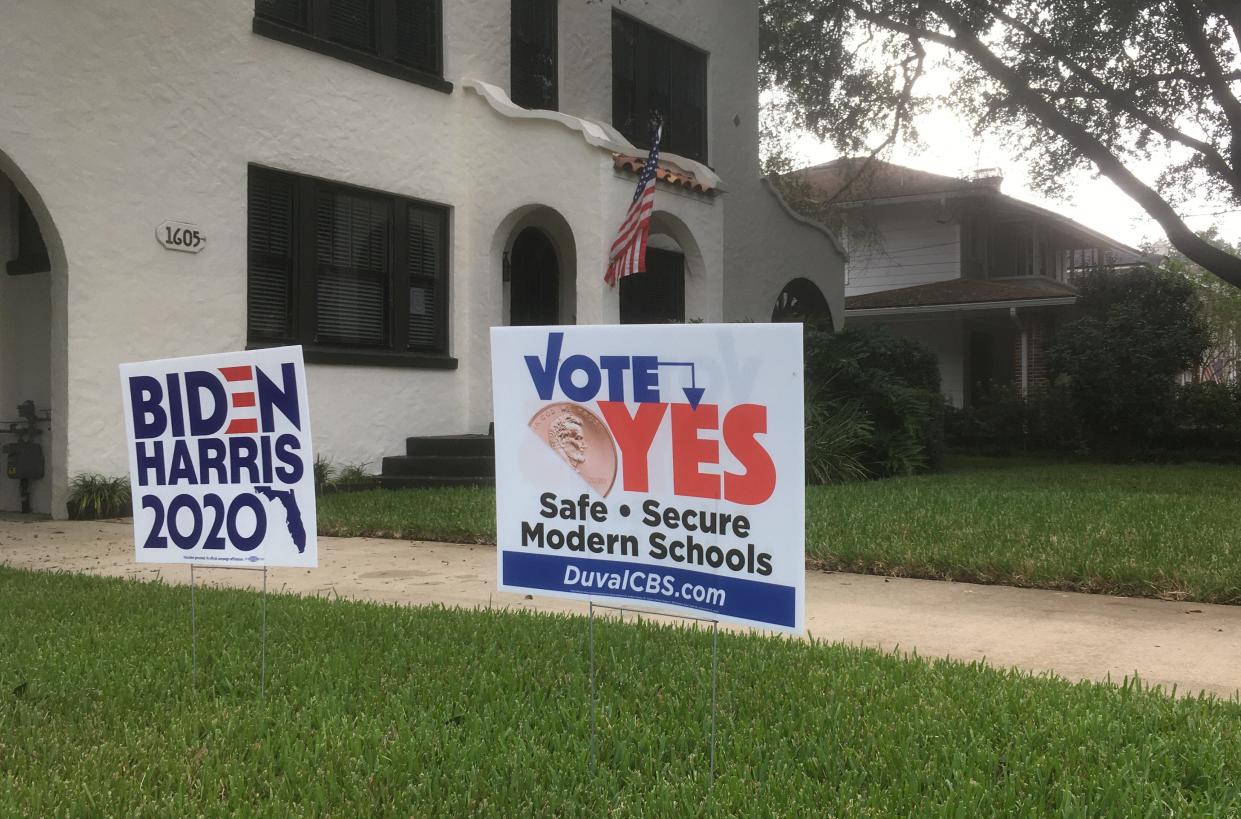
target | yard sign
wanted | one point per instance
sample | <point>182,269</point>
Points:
<point>220,459</point>
<point>660,464</point>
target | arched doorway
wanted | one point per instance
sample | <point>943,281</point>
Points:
<point>534,280</point>
<point>656,296</point>
<point>802,300</point>
<point>33,355</point>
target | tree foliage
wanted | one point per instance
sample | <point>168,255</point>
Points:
<point>1140,330</point>
<point>1070,83</point>
<point>1221,303</point>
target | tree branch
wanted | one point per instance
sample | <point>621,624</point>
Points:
<point>1230,12</point>
<point>1222,264</point>
<point>903,101</point>
<point>1124,102</point>
<point>1220,88</point>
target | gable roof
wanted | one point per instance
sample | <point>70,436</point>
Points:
<point>855,181</point>
<point>863,179</point>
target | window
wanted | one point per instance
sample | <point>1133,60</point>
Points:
<point>353,275</point>
<point>652,72</point>
<point>534,53</point>
<point>400,38</point>
<point>31,251</point>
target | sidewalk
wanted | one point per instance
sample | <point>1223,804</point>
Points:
<point>1191,646</point>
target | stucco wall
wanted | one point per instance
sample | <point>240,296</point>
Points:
<point>121,116</point>
<point>764,248</point>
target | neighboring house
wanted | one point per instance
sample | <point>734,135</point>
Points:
<point>379,181</point>
<point>982,278</point>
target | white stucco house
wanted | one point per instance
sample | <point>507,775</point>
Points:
<point>379,181</point>
<point>980,277</point>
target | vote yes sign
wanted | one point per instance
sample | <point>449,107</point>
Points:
<point>661,464</point>
<point>220,459</point>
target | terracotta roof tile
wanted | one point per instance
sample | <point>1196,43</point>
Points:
<point>961,291</point>
<point>666,173</point>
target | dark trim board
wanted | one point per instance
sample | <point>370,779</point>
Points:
<point>310,42</point>
<point>370,358</point>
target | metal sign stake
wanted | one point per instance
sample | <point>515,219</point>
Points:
<point>193,635</point>
<point>593,703</point>
<point>263,628</point>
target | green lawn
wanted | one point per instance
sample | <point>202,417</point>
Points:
<point>1150,530</point>
<point>376,710</point>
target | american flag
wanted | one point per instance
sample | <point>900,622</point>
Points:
<point>628,254</point>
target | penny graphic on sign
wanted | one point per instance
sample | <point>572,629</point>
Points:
<point>581,440</point>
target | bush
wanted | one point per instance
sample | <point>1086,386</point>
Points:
<point>1140,331</point>
<point>873,405</point>
<point>1005,423</point>
<point>1208,416</point>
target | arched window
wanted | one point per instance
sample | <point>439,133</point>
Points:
<point>801,300</point>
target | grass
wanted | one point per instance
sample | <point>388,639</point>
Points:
<point>1170,531</point>
<point>456,515</point>
<point>375,710</point>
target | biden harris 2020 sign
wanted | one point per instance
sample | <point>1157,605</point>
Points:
<point>220,459</point>
<point>660,465</point>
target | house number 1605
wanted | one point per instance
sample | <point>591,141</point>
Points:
<point>181,236</point>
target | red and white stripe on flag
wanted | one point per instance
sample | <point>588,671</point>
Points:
<point>628,254</point>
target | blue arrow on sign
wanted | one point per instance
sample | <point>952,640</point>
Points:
<point>693,393</point>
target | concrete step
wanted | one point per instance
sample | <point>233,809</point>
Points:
<point>457,466</point>
<point>450,445</point>
<point>431,481</point>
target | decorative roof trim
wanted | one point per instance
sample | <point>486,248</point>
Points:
<point>797,217</point>
<point>596,134</point>
<point>667,175</point>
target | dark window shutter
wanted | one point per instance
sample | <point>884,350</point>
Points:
<point>289,12</point>
<point>270,252</point>
<point>417,36</point>
<point>426,265</point>
<point>625,116</point>
<point>352,23</point>
<point>688,103</point>
<point>352,241</point>
<point>533,64</point>
<point>652,72</point>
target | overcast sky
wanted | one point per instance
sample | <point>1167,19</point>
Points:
<point>952,149</point>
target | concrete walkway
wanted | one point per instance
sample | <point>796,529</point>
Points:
<point>1191,646</point>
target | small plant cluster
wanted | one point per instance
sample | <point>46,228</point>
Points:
<point>93,496</point>
<point>332,478</point>
<point>873,407</point>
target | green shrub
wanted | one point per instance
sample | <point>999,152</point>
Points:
<point>353,474</point>
<point>886,389</point>
<point>1140,330</point>
<point>1208,416</point>
<point>837,434</point>
<point>92,496</point>
<point>325,474</point>
<point>1005,422</point>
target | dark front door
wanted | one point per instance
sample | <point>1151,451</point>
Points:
<point>534,288</point>
<point>658,295</point>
